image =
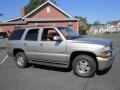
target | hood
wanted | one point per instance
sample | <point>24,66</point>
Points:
<point>99,41</point>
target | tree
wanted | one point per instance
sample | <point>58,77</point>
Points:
<point>96,23</point>
<point>1,14</point>
<point>83,24</point>
<point>34,4</point>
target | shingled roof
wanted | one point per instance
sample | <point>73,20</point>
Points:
<point>113,22</point>
<point>51,3</point>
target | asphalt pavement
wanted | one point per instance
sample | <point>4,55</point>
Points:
<point>37,77</point>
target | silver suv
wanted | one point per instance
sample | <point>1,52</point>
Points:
<point>60,47</point>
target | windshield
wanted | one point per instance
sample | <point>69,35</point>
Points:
<point>69,33</point>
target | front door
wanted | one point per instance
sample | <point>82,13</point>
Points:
<point>51,50</point>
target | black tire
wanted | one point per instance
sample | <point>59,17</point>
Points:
<point>84,66</point>
<point>21,63</point>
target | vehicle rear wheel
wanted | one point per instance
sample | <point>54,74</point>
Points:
<point>84,66</point>
<point>21,60</point>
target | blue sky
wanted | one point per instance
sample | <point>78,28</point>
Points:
<point>102,10</point>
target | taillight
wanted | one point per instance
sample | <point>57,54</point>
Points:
<point>7,43</point>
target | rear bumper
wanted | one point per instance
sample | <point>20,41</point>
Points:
<point>104,63</point>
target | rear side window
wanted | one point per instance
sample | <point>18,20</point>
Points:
<point>32,35</point>
<point>17,34</point>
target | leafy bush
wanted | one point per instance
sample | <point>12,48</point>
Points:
<point>107,32</point>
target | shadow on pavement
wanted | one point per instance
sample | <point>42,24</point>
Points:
<point>51,68</point>
<point>98,72</point>
<point>2,48</point>
<point>103,72</point>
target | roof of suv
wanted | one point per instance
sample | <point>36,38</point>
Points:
<point>35,27</point>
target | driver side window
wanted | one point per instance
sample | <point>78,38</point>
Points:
<point>48,34</point>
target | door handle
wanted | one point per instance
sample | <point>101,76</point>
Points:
<point>41,44</point>
<point>25,44</point>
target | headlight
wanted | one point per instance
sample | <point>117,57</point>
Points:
<point>107,49</point>
<point>106,52</point>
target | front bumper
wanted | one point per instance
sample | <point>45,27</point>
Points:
<point>104,63</point>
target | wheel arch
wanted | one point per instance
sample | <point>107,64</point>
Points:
<point>16,50</point>
<point>76,53</point>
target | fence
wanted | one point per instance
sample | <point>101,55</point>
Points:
<point>3,39</point>
<point>3,43</point>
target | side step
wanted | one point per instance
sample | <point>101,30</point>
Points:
<point>47,63</point>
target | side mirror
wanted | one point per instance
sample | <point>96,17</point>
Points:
<point>57,38</point>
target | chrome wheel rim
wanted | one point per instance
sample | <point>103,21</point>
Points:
<point>20,60</point>
<point>83,67</point>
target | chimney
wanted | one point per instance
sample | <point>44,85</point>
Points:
<point>23,11</point>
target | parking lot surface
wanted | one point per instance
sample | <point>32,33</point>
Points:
<point>37,77</point>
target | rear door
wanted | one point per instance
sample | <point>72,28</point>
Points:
<point>31,43</point>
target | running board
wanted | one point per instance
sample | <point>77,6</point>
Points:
<point>47,63</point>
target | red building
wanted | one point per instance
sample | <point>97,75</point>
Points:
<point>46,14</point>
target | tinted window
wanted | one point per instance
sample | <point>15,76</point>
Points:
<point>16,35</point>
<point>32,35</point>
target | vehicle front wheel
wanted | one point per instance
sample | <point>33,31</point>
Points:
<point>21,60</point>
<point>84,66</point>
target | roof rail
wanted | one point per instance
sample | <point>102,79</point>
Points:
<point>22,26</point>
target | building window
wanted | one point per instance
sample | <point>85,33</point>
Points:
<point>48,10</point>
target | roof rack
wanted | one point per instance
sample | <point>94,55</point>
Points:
<point>22,26</point>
